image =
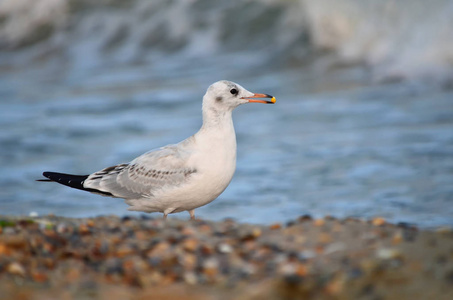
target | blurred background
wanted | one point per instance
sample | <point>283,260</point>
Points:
<point>363,124</point>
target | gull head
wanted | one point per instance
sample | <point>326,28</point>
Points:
<point>225,95</point>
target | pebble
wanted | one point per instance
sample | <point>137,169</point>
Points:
<point>224,248</point>
<point>397,238</point>
<point>304,218</point>
<point>124,250</point>
<point>190,244</point>
<point>319,222</point>
<point>188,261</point>
<point>335,247</point>
<point>210,267</point>
<point>207,249</point>
<point>142,253</point>
<point>39,276</point>
<point>5,250</point>
<point>378,221</point>
<point>275,226</point>
<point>388,253</point>
<point>84,229</point>
<point>190,278</point>
<point>16,268</point>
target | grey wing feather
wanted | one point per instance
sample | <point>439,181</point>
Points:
<point>154,170</point>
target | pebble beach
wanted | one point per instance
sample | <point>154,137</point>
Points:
<point>110,257</point>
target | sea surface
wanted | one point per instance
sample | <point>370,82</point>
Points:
<point>356,131</point>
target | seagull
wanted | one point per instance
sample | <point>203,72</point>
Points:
<point>178,177</point>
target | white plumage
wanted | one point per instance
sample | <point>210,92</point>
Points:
<point>177,177</point>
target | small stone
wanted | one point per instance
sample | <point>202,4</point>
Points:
<point>290,223</point>
<point>378,221</point>
<point>141,235</point>
<point>246,234</point>
<point>190,244</point>
<point>5,250</point>
<point>256,232</point>
<point>124,250</point>
<point>397,238</point>
<point>49,262</point>
<point>306,254</point>
<point>224,248</point>
<point>205,228</point>
<point>319,222</point>
<point>288,269</point>
<point>83,229</point>
<point>188,261</point>
<point>388,253</point>
<point>304,218</point>
<point>335,247</point>
<point>90,223</point>
<point>248,269</point>
<point>16,268</point>
<point>275,226</point>
<point>61,228</point>
<point>125,218</point>
<point>39,276</point>
<point>211,267</point>
<point>301,270</point>
<point>159,249</point>
<point>190,278</point>
<point>188,230</point>
<point>206,249</point>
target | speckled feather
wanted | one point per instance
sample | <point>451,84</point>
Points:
<point>154,170</point>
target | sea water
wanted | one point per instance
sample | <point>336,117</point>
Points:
<point>354,132</point>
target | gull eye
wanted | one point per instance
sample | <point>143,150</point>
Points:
<point>234,91</point>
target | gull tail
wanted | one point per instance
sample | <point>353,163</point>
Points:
<point>74,181</point>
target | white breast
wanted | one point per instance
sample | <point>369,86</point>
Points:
<point>215,161</point>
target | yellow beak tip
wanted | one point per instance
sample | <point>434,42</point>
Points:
<point>273,100</point>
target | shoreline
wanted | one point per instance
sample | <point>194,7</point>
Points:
<point>129,257</point>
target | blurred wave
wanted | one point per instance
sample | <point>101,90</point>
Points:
<point>394,40</point>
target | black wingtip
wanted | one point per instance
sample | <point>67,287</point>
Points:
<point>45,174</point>
<point>74,181</point>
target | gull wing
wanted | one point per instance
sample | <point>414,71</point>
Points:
<point>166,167</point>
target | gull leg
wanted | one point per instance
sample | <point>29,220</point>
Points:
<point>168,211</point>
<point>192,214</point>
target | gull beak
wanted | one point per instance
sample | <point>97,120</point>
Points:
<point>252,98</point>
